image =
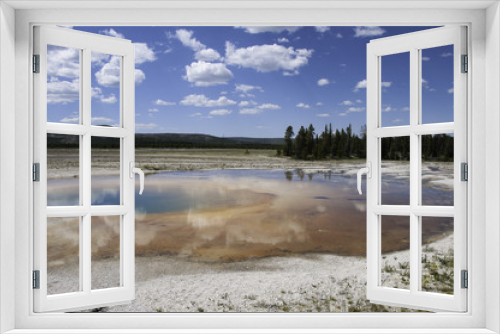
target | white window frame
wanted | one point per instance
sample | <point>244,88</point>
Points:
<point>483,122</point>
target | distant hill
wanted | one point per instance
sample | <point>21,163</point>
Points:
<point>173,140</point>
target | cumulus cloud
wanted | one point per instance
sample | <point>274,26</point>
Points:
<point>447,54</point>
<point>355,109</point>
<point>368,31</point>
<point>143,53</point>
<point>267,58</point>
<point>362,85</point>
<point>303,105</point>
<point>323,115</point>
<point>102,120</point>
<point>75,119</point>
<point>161,102</point>
<point>145,126</point>
<point>346,103</point>
<point>319,104</point>
<point>112,32</point>
<point>273,29</point>
<point>63,62</point>
<point>207,55</point>
<point>187,39</point>
<point>426,58</point>
<point>247,88</point>
<point>153,110</point>
<point>220,112</point>
<point>322,29</point>
<point>451,90</point>
<point>250,111</point>
<point>283,40</point>
<point>247,103</point>
<point>323,82</point>
<point>108,100</point>
<point>203,101</point>
<point>269,106</point>
<point>63,92</point>
<point>109,74</point>
<point>207,74</point>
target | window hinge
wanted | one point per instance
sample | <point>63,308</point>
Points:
<point>464,171</point>
<point>465,279</point>
<point>36,279</point>
<point>465,64</point>
<point>36,172</point>
<point>36,63</point>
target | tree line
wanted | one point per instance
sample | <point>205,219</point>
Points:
<point>307,144</point>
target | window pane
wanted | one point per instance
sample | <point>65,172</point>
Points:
<point>63,84</point>
<point>395,89</point>
<point>106,171</point>
<point>395,171</point>
<point>106,77</point>
<point>395,257</point>
<point>437,169</point>
<point>437,254</point>
<point>105,252</point>
<point>63,255</point>
<point>437,84</point>
<point>63,170</point>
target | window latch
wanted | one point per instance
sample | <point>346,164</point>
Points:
<point>366,170</point>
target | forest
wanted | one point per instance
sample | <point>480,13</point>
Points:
<point>307,144</point>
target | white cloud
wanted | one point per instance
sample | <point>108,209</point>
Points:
<point>145,126</point>
<point>283,40</point>
<point>139,76</point>
<point>323,82</point>
<point>362,85</point>
<point>247,88</point>
<point>346,103</point>
<point>274,29</point>
<point>244,104</point>
<point>405,109</point>
<point>153,110</point>
<point>397,121</point>
<point>303,105</point>
<point>250,111</point>
<point>426,58</point>
<point>368,31</point>
<point>319,104</point>
<point>108,100</point>
<point>207,55</point>
<point>196,114</point>
<point>267,58</point>
<point>355,109</point>
<point>269,106</point>
<point>101,120</point>
<point>323,115</point>
<point>63,92</point>
<point>220,112</point>
<point>75,119</point>
<point>447,54</point>
<point>203,101</point>
<point>207,74</point>
<point>111,32</point>
<point>359,101</point>
<point>451,90</point>
<point>160,102</point>
<point>322,29</point>
<point>185,36</point>
<point>143,53</point>
<point>338,35</point>
<point>388,109</point>
<point>63,62</point>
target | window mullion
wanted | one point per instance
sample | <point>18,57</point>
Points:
<point>415,168</point>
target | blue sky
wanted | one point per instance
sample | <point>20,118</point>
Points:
<point>250,81</point>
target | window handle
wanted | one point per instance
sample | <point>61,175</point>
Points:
<point>366,170</point>
<point>139,171</point>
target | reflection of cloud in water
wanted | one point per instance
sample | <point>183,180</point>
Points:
<point>360,206</point>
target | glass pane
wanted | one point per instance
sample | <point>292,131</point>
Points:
<point>395,89</point>
<point>395,257</point>
<point>106,76</point>
<point>437,254</point>
<point>63,255</point>
<point>395,171</point>
<point>437,169</point>
<point>63,170</point>
<point>437,84</point>
<point>105,252</point>
<point>105,171</point>
<point>63,84</point>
